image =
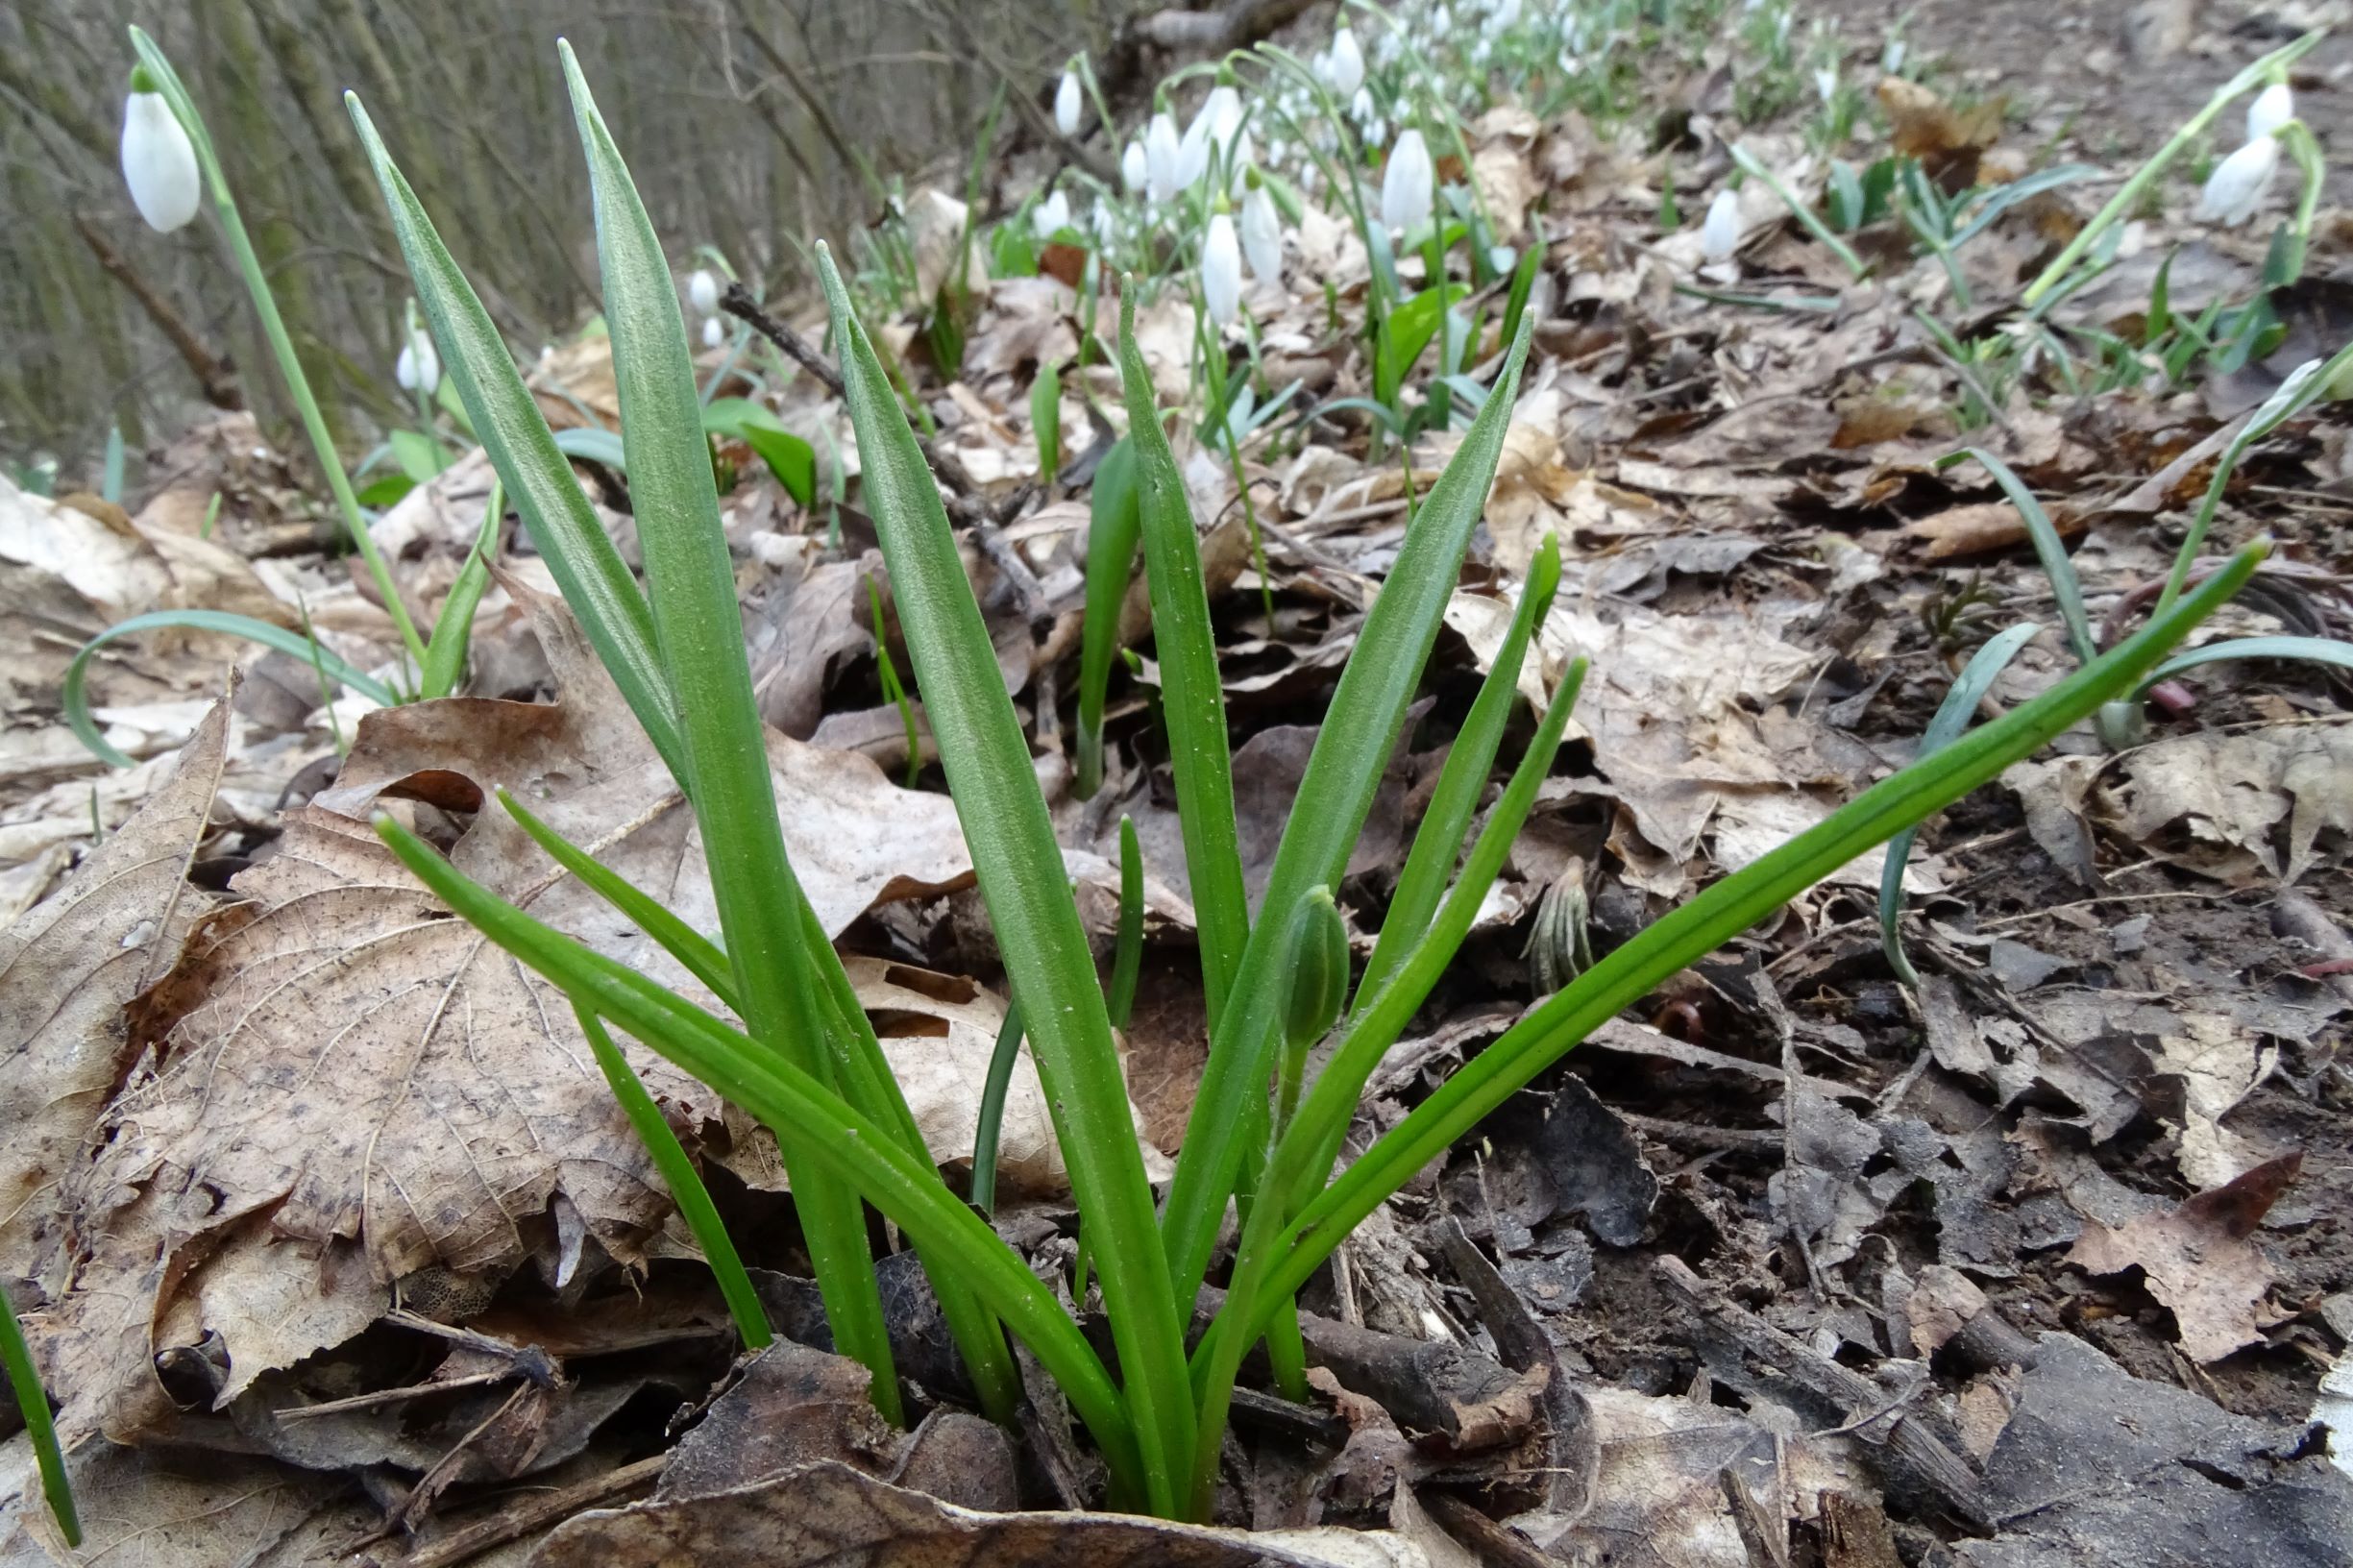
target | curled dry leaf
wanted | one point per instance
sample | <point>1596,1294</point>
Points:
<point>2197,1258</point>
<point>69,968</point>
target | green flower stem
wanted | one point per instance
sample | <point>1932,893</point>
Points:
<point>282,346</point>
<point>33,1404</point>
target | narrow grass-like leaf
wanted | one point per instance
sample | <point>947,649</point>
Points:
<point>1352,749</point>
<point>1127,950</point>
<point>1309,1145</point>
<point>1022,881</point>
<point>1045,421</point>
<point>685,1184</point>
<point>1714,918</point>
<point>1113,525</point>
<point>804,1113</point>
<point>593,579</point>
<point>2048,548</point>
<point>699,630</point>
<point>990,1121</point>
<point>1969,688</point>
<point>33,1404</point>
<point>74,694</point>
<point>444,652</point>
<point>895,690</point>
<point>1192,698</point>
<point>1438,841</point>
<point>2327,651</point>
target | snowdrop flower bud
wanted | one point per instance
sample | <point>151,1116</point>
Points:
<point>159,162</point>
<point>1405,187</point>
<point>1500,260</point>
<point>1163,157</point>
<point>1211,129</point>
<point>702,292</point>
<point>2273,108</point>
<point>1825,81</point>
<point>1068,101</point>
<point>1361,107</point>
<point>1347,65</point>
<point>1102,223</point>
<point>713,334</point>
<point>1890,58</point>
<point>1506,17</point>
<point>1262,235</point>
<point>1441,23</point>
<point>1133,167</point>
<point>1221,270</point>
<point>1051,216</point>
<point>1720,234</point>
<point>2240,183</point>
<point>418,369</point>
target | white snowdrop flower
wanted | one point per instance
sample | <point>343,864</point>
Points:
<point>1238,159</point>
<point>1570,64</point>
<point>1361,107</point>
<point>1102,223</point>
<point>1720,234</point>
<point>1069,101</point>
<point>159,162</point>
<point>1211,132</point>
<point>1825,81</point>
<point>1890,58</point>
<point>1051,216</point>
<point>1321,66</point>
<point>2239,184</point>
<point>1347,65</point>
<point>1262,235</point>
<point>1163,157</point>
<point>418,369</point>
<point>1221,270</point>
<point>1507,15</point>
<point>1405,187</point>
<point>702,292</point>
<point>1479,53</point>
<point>1134,168</point>
<point>713,334</point>
<point>1441,23</point>
<point>1500,260</point>
<point>2273,108</point>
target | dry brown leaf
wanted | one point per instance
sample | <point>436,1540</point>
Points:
<point>829,1514</point>
<point>68,969</point>
<point>2197,1260</point>
<point>180,1509</point>
<point>356,1087</point>
<point>2230,791</point>
<point>1978,527</point>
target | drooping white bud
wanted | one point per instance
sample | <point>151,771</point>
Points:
<point>1500,259</point>
<point>702,292</point>
<point>159,163</point>
<point>1347,65</point>
<point>1133,167</point>
<point>2239,184</point>
<point>1825,81</point>
<point>713,334</point>
<point>418,369</point>
<point>1051,216</point>
<point>1262,235</point>
<point>1069,101</point>
<point>1212,131</point>
<point>1504,16</point>
<point>1361,107</point>
<point>1221,270</point>
<point>1720,234</point>
<point>1163,157</point>
<point>1405,186</point>
<point>2273,108</point>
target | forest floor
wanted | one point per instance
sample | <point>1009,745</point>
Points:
<point>331,1251</point>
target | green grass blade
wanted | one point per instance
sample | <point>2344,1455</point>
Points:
<point>702,957</point>
<point>1113,525</point>
<point>1951,718</point>
<point>1192,698</point>
<point>74,694</point>
<point>1352,750</point>
<point>1045,421</point>
<point>1309,1144</point>
<point>991,1119</point>
<point>33,1403</point>
<point>686,1188</point>
<point>595,581</point>
<point>1023,883</point>
<point>1715,916</point>
<point>445,653</point>
<point>2048,548</point>
<point>699,630</point>
<point>804,1113</point>
<point>1463,778</point>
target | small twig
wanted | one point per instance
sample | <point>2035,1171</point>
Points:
<point>738,303</point>
<point>532,1511</point>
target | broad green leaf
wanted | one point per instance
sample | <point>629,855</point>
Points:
<point>1193,694</point>
<point>1022,881</point>
<point>419,454</point>
<point>699,630</point>
<point>595,581</point>
<point>1352,749</point>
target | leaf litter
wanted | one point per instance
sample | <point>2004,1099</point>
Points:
<point>2032,1269</point>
